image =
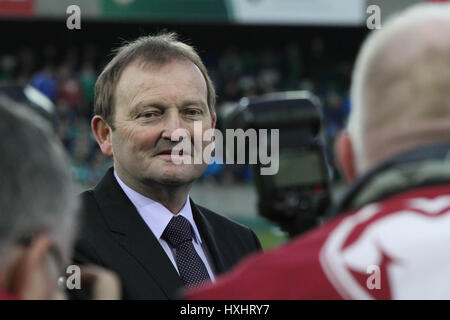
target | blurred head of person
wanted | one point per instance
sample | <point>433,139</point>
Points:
<point>400,89</point>
<point>37,205</point>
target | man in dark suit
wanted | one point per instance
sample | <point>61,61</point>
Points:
<point>139,220</point>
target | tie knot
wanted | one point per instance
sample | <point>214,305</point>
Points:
<point>178,231</point>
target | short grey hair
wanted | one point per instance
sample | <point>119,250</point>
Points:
<point>401,85</point>
<point>157,49</point>
<point>36,191</point>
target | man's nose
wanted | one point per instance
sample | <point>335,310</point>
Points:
<point>171,123</point>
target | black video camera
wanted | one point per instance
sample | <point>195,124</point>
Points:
<point>298,195</point>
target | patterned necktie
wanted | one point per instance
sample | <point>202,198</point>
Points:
<point>178,234</point>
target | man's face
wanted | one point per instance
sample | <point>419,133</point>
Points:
<point>152,102</point>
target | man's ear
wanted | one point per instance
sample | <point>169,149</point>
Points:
<point>213,119</point>
<point>345,156</point>
<point>102,132</point>
<point>28,273</point>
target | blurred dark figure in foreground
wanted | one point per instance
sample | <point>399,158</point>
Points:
<point>38,208</point>
<point>390,239</point>
<point>37,214</point>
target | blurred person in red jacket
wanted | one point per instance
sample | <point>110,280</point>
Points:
<point>390,237</point>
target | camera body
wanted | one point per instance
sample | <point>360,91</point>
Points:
<point>298,195</point>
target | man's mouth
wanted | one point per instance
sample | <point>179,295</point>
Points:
<point>169,152</point>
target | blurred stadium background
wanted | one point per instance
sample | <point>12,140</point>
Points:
<point>249,46</point>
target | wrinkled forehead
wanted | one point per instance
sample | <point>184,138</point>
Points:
<point>140,75</point>
<point>129,79</point>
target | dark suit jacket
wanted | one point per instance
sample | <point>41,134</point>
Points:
<point>114,235</point>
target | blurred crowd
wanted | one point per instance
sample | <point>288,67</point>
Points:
<point>67,77</point>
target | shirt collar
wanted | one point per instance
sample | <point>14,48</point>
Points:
<point>155,215</point>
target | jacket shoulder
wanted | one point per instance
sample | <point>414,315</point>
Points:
<point>91,228</point>
<point>217,218</point>
<point>227,228</point>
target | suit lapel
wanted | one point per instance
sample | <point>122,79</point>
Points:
<point>213,242</point>
<point>134,235</point>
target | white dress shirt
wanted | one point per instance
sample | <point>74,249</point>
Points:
<point>157,217</point>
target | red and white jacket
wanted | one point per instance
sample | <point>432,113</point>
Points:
<point>398,248</point>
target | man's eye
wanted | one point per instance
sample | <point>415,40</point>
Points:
<point>193,112</point>
<point>148,115</point>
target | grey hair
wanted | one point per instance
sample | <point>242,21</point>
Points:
<point>159,49</point>
<point>36,191</point>
<point>384,64</point>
